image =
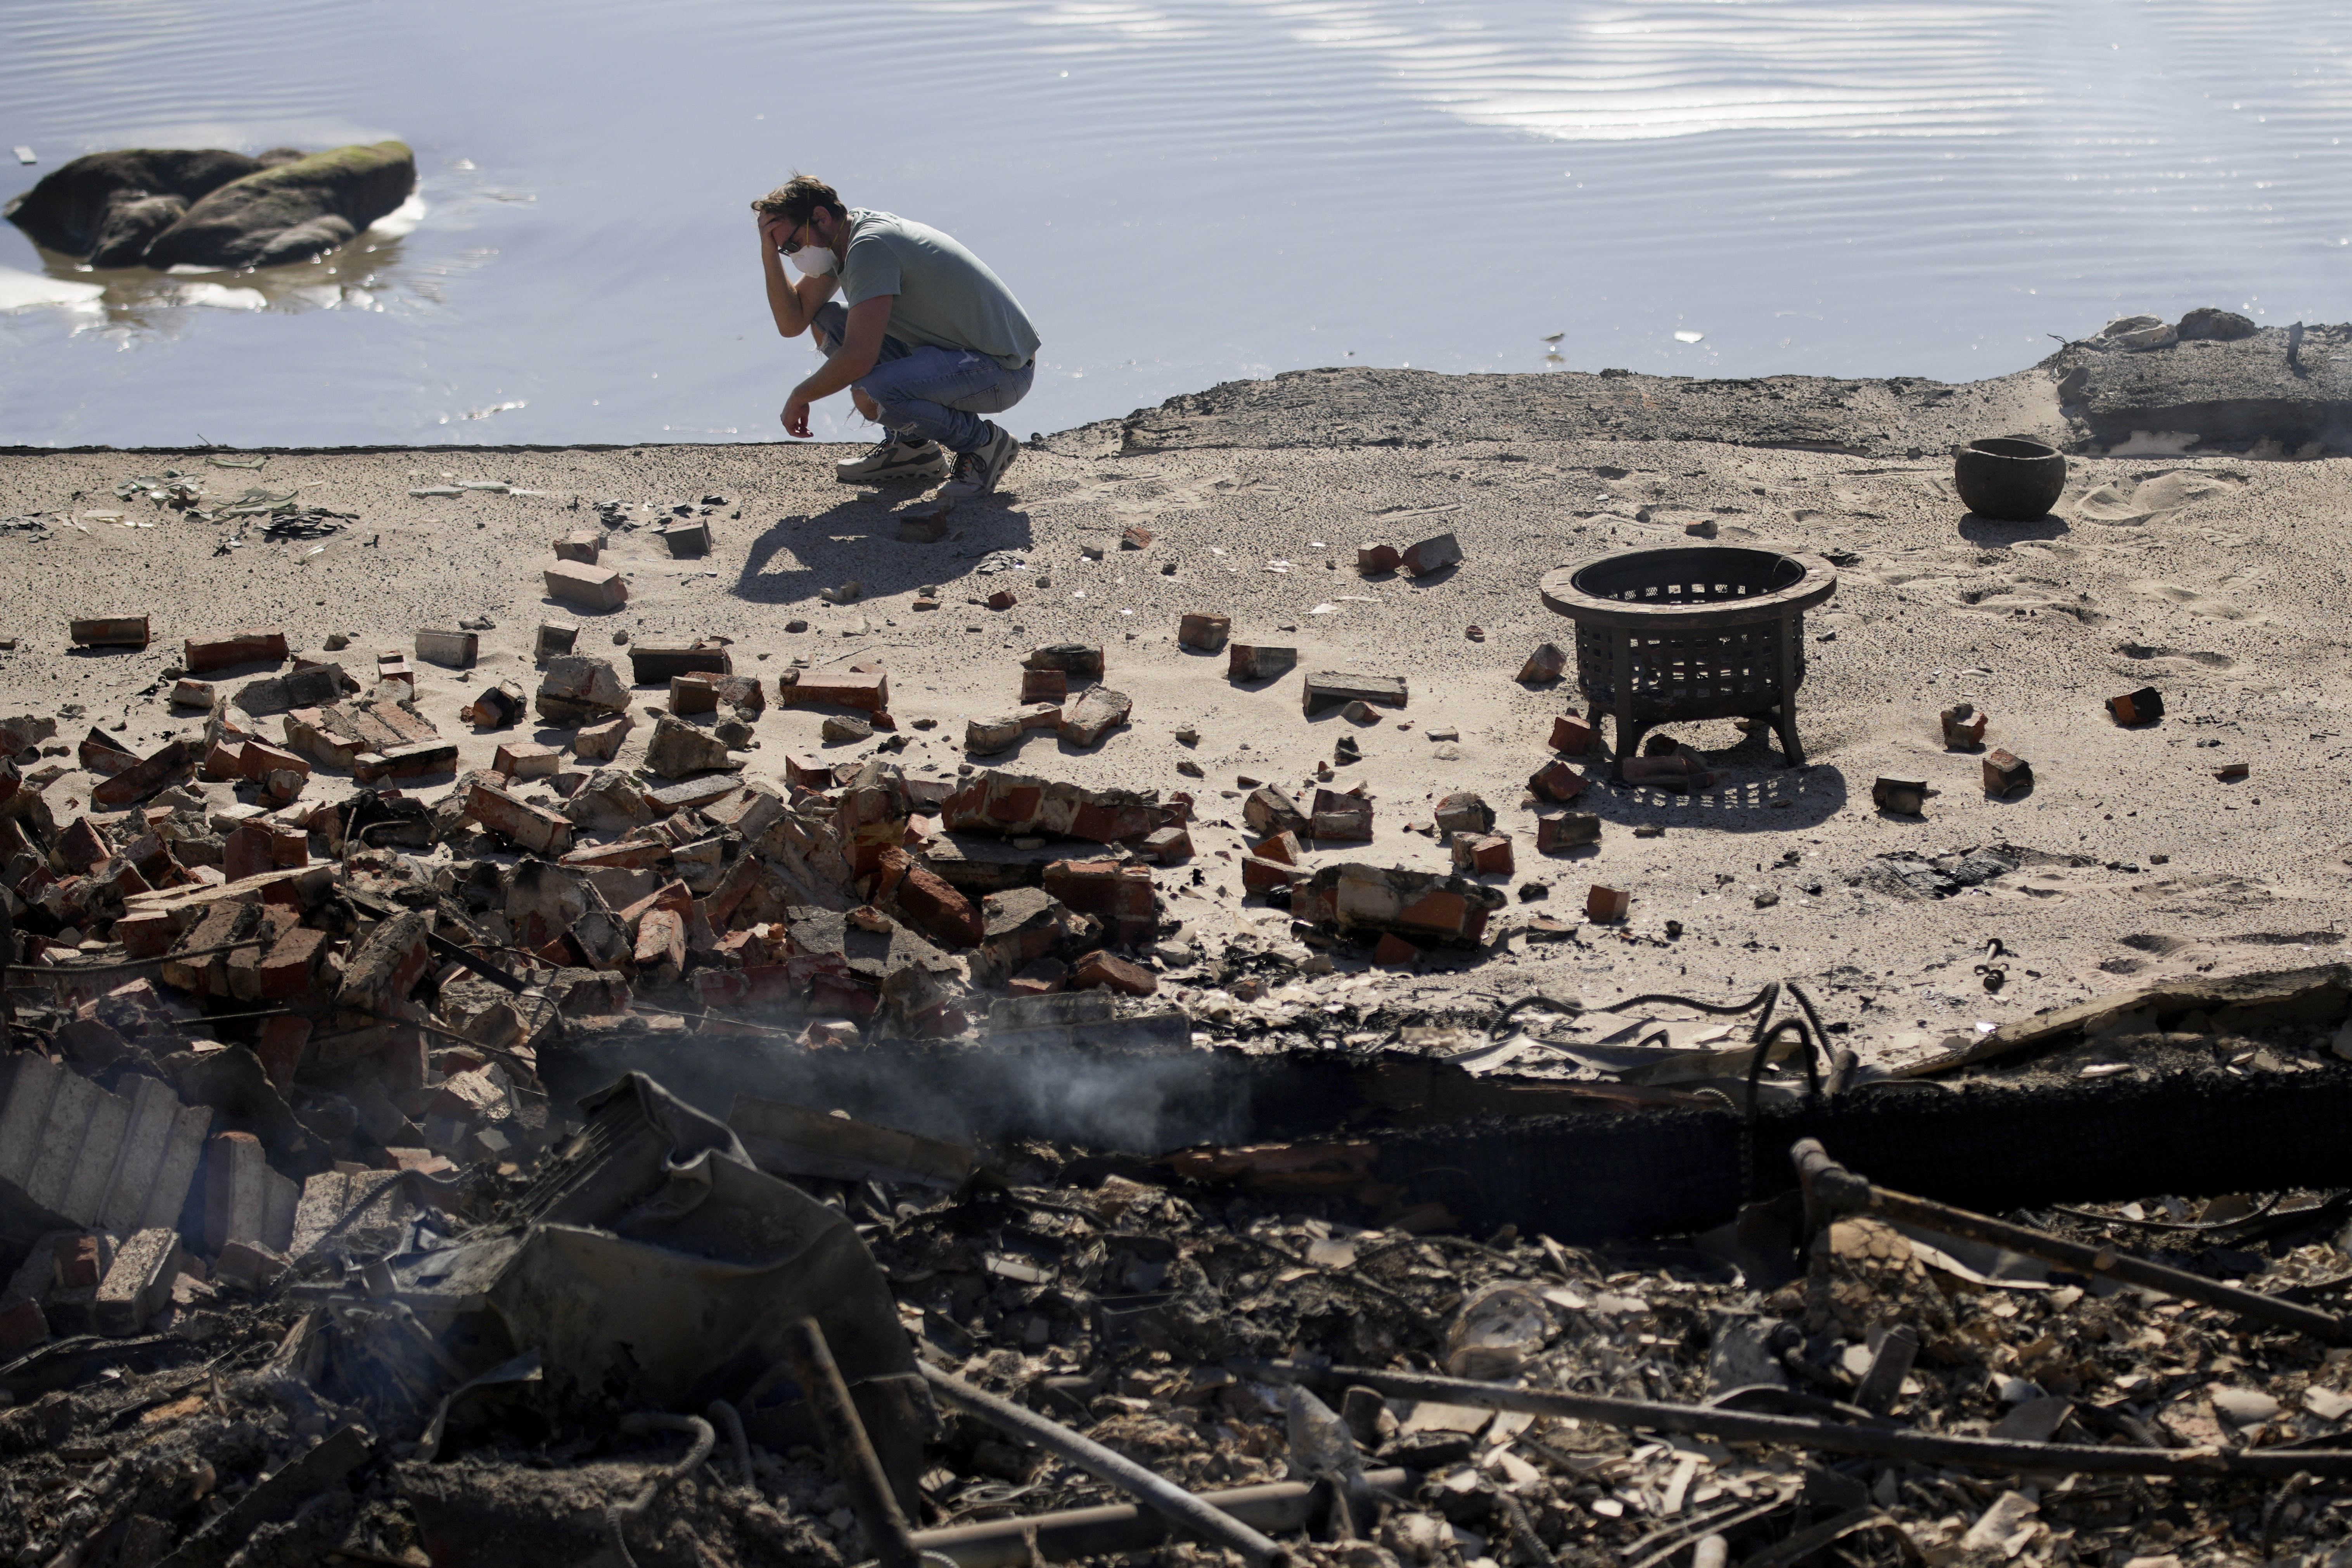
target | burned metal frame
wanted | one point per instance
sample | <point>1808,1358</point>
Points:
<point>1832,1190</point>
<point>1691,633</point>
<point>1820,1437</point>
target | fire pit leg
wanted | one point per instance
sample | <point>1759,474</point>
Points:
<point>1620,683</point>
<point>1792,631</point>
<point>1792,754</point>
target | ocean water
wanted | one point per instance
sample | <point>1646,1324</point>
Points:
<point>1182,192</point>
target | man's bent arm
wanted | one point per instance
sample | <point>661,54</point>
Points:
<point>792,302</point>
<point>861,346</point>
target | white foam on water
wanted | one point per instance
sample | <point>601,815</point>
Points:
<point>220,297</point>
<point>402,220</point>
<point>32,290</point>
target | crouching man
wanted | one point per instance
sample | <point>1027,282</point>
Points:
<point>925,337</point>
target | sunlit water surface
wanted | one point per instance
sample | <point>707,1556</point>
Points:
<point>1181,194</point>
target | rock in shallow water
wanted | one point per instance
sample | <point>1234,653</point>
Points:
<point>173,207</point>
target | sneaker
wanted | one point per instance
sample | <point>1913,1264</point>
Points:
<point>977,471</point>
<point>895,457</point>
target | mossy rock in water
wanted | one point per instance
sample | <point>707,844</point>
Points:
<point>289,213</point>
<point>70,209</point>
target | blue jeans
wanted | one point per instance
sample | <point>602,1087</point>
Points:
<point>938,395</point>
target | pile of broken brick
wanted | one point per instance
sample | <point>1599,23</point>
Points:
<point>280,954</point>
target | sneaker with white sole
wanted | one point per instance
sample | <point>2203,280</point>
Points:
<point>977,471</point>
<point>895,457</point>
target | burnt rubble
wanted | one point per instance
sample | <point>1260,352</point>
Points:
<point>574,1160</point>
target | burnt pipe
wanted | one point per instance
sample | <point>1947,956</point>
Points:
<point>1597,1176</point>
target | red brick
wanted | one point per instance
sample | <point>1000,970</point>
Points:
<point>1394,951</point>
<point>293,963</point>
<point>808,773</point>
<point>1547,663</point>
<point>1262,876</point>
<point>2140,707</point>
<point>1283,847</point>
<point>1573,830</point>
<point>593,587</point>
<point>1377,558</point>
<point>1111,824</point>
<point>1041,978</point>
<point>83,845</point>
<point>929,903</point>
<point>867,689</point>
<point>145,933</point>
<point>1347,819</point>
<point>403,1062</point>
<point>290,848</point>
<point>1557,782</point>
<point>1442,912</point>
<point>75,1260</point>
<point>22,1327</point>
<point>108,631</point>
<point>2004,772</point>
<point>1002,599</point>
<point>1167,845</point>
<point>1571,734</point>
<point>1204,633</point>
<point>674,897</point>
<point>533,827</point>
<point>283,1041</point>
<point>1045,686</point>
<point>527,760</point>
<point>628,854</point>
<point>249,852</point>
<point>721,987</point>
<point>1607,904</point>
<point>219,651</point>
<point>834,993</point>
<point>1484,854</point>
<point>1107,971</point>
<point>1077,658</point>
<point>941,1021</point>
<point>661,942</point>
<point>1109,890</point>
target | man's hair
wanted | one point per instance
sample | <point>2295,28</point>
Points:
<point>798,197</point>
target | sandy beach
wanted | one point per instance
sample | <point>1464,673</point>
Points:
<point>2217,579</point>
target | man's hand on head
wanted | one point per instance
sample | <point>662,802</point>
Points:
<point>772,229</point>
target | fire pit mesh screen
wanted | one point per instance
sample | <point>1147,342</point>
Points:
<point>1688,633</point>
<point>1693,675</point>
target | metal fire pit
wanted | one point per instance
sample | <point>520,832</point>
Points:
<point>1716,632</point>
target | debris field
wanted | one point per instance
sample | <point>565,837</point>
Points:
<point>646,1006</point>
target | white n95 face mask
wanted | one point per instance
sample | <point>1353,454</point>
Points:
<point>813,259</point>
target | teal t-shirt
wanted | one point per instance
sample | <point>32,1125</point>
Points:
<point>948,297</point>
